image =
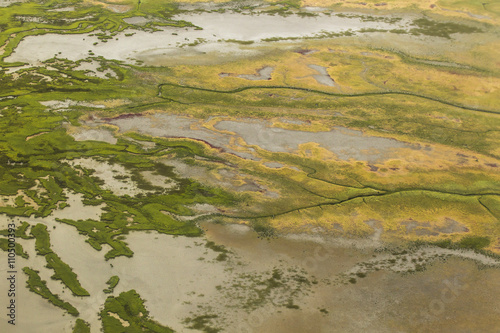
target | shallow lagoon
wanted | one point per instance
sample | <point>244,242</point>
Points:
<point>217,27</point>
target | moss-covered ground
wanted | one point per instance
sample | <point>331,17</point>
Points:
<point>112,283</point>
<point>81,326</point>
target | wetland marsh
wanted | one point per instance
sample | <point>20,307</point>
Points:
<point>250,167</point>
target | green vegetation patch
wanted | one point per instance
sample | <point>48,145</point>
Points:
<point>470,242</point>
<point>81,326</point>
<point>20,231</point>
<point>4,245</point>
<point>474,242</point>
<point>112,283</point>
<point>38,286</point>
<point>467,242</point>
<point>202,323</point>
<point>62,270</point>
<point>242,42</point>
<point>134,317</point>
<point>42,241</point>
<point>223,252</point>
<point>438,29</point>
<point>264,230</point>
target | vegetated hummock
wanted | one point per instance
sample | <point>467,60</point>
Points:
<point>386,134</point>
<point>127,312</point>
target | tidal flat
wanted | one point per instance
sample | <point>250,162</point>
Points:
<point>262,285</point>
<point>250,167</point>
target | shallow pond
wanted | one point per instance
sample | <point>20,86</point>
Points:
<point>345,143</point>
<point>159,46</point>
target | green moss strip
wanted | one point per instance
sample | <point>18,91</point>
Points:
<point>64,273</point>
<point>62,270</point>
<point>4,245</point>
<point>81,326</point>
<point>130,308</point>
<point>38,286</point>
<point>112,283</point>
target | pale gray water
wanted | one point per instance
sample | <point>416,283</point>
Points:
<point>345,143</point>
<point>153,47</point>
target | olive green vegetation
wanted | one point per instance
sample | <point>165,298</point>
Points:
<point>38,286</point>
<point>38,160</point>
<point>475,243</point>
<point>250,291</point>
<point>130,308</point>
<point>262,228</point>
<point>4,245</point>
<point>20,231</point>
<point>243,42</point>
<point>42,239</point>
<point>223,252</point>
<point>112,283</point>
<point>202,323</point>
<point>81,326</point>
<point>216,248</point>
<point>393,112</point>
<point>436,29</point>
<point>62,271</point>
<point>390,112</point>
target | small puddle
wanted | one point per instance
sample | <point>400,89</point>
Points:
<point>323,77</point>
<point>262,74</point>
<point>139,20</point>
